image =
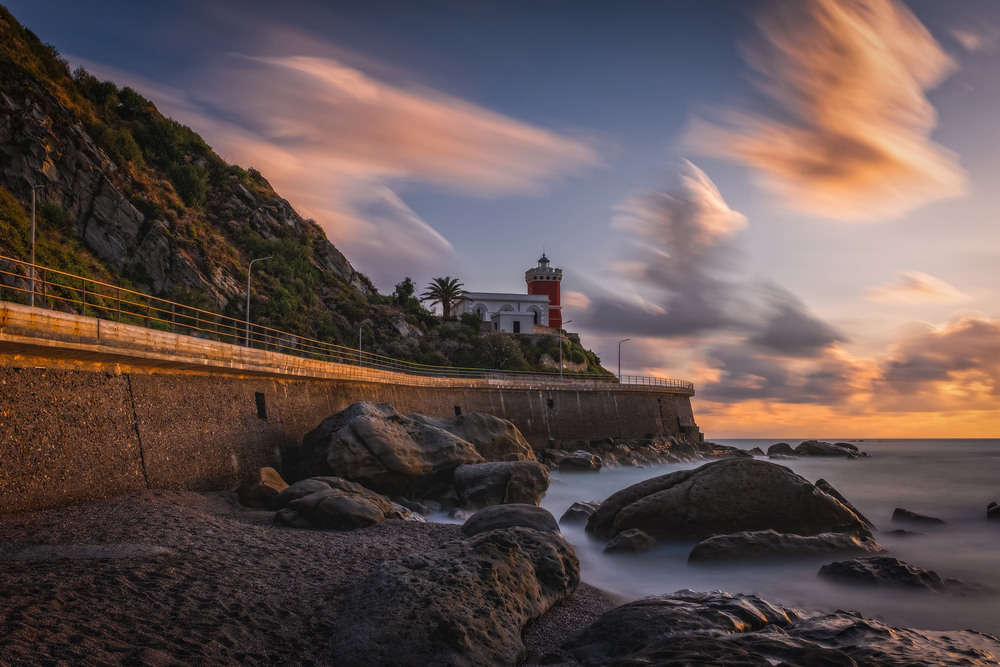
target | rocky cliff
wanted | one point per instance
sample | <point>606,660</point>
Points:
<point>146,195</point>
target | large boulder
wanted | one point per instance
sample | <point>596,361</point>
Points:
<point>495,439</point>
<point>901,515</point>
<point>720,629</point>
<point>371,443</point>
<point>331,502</point>
<point>463,604</point>
<point>780,449</point>
<point>767,544</point>
<point>510,516</point>
<point>496,483</point>
<point>882,571</point>
<point>580,460</point>
<point>821,448</point>
<point>261,490</point>
<point>723,497</point>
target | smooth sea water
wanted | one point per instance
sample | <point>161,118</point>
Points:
<point>953,480</point>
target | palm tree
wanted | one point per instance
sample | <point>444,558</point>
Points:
<point>447,291</point>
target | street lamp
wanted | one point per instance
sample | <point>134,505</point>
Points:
<point>32,297</point>
<point>250,268</point>
<point>620,358</point>
<point>560,347</point>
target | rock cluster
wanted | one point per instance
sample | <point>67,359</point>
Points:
<point>635,452</point>
<point>815,448</point>
<point>332,502</point>
<point>463,604</point>
<point>721,629</point>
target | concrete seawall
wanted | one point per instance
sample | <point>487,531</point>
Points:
<point>83,418</point>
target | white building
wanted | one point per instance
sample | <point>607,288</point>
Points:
<point>510,313</point>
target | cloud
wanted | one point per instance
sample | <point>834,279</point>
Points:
<point>952,366</point>
<point>339,144</point>
<point>680,245</point>
<point>788,328</point>
<point>576,300</point>
<point>983,37</point>
<point>915,288</point>
<point>847,132</point>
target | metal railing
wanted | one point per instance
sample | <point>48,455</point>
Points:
<point>58,290</point>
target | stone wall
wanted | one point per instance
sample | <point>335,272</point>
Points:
<point>70,435</point>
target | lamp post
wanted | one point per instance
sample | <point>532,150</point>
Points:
<point>560,347</point>
<point>32,297</point>
<point>620,358</point>
<point>250,268</point>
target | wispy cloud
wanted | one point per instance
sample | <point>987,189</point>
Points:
<point>952,366</point>
<point>847,126</point>
<point>339,144</point>
<point>982,37</point>
<point>916,288</point>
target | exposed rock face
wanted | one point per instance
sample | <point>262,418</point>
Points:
<point>900,515</point>
<point>44,143</point>
<point>780,449</point>
<point>689,628</point>
<point>579,512</point>
<point>724,497</point>
<point>495,439</point>
<point>463,604</point>
<point>767,544</point>
<point>510,516</point>
<point>820,448</point>
<point>331,502</point>
<point>630,541</point>
<point>580,461</point>
<point>262,489</point>
<point>882,571</point>
<point>483,484</point>
<point>371,443</point>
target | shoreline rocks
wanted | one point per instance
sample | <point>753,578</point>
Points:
<point>900,515</point>
<point>770,545</point>
<point>465,603</point>
<point>724,497</point>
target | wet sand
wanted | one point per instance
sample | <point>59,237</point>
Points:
<point>167,578</point>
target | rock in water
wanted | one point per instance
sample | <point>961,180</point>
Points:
<point>463,604</point>
<point>495,439</point>
<point>483,484</point>
<point>820,448</point>
<point>331,502</point>
<point>374,445</point>
<point>721,629</point>
<point>510,516</point>
<point>780,449</point>
<point>993,511</point>
<point>882,571</point>
<point>580,460</point>
<point>579,512</point>
<point>724,497</point>
<point>900,515</point>
<point>767,544</point>
<point>630,541</point>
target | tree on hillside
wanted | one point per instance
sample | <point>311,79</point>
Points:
<point>447,291</point>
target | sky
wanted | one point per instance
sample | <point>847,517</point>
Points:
<point>791,203</point>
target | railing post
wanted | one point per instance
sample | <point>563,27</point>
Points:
<point>119,305</point>
<point>83,308</point>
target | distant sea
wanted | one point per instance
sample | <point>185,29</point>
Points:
<point>953,480</point>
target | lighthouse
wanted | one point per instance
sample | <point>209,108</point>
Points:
<point>544,279</point>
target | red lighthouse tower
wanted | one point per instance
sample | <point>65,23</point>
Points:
<point>544,279</point>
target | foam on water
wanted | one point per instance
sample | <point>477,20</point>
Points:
<point>951,479</point>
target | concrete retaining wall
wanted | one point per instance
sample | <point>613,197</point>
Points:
<point>85,422</point>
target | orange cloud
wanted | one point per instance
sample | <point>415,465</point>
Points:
<point>849,136</point>
<point>978,38</point>
<point>915,288</point>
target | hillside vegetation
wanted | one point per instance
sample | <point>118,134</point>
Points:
<point>134,198</point>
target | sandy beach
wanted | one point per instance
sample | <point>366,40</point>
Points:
<point>168,578</point>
